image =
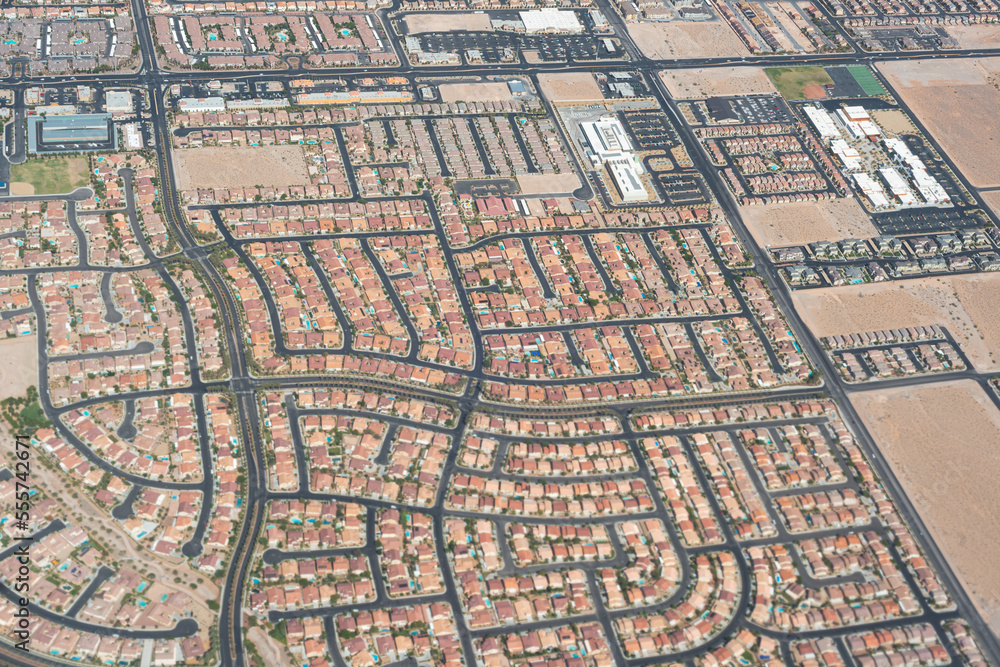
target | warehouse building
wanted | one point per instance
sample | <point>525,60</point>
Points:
<point>551,21</point>
<point>72,133</point>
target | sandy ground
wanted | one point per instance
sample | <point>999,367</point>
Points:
<point>975,36</point>
<point>678,39</point>
<point>474,92</point>
<point>690,84</point>
<point>18,365</point>
<point>240,167</point>
<point>894,120</point>
<point>941,443</point>
<point>540,184</point>
<point>441,22</point>
<point>966,305</point>
<point>956,101</point>
<point>18,189</point>
<point>795,224</point>
<point>272,652</point>
<point>992,200</point>
<point>570,87</point>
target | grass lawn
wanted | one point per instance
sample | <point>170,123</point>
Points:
<point>54,175</point>
<point>791,80</point>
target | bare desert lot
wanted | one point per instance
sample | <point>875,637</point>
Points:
<point>992,200</point>
<point>716,81</point>
<point>795,224</point>
<point>437,22</point>
<point>539,184</point>
<point>966,305</point>
<point>570,87</point>
<point>894,120</point>
<point>975,36</point>
<point>239,167</point>
<point>18,365</point>
<point>956,101</point>
<point>941,443</point>
<point>474,92</point>
<point>683,39</point>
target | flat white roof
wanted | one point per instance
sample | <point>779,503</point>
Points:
<point>550,20</point>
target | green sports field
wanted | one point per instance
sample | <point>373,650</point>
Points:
<point>790,81</point>
<point>866,80</point>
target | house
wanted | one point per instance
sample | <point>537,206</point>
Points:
<point>887,245</point>
<point>825,250</point>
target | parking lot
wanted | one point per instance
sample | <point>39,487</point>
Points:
<point>650,130</point>
<point>762,109</point>
<point>684,189</point>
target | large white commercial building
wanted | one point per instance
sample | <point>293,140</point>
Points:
<point>610,146</point>
<point>822,122</point>
<point>871,189</point>
<point>201,104</point>
<point>928,187</point>
<point>550,21</point>
<point>897,185</point>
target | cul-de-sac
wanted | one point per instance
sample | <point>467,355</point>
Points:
<point>526,333</point>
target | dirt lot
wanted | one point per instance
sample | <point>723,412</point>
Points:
<point>240,167</point>
<point>957,102</point>
<point>570,87</point>
<point>272,652</point>
<point>540,184</point>
<point>975,36</point>
<point>966,305</point>
<point>795,224</point>
<point>893,120</point>
<point>435,22</point>
<point>992,200</point>
<point>18,365</point>
<point>941,443</point>
<point>709,82</point>
<point>679,39</point>
<point>474,92</point>
<point>18,189</point>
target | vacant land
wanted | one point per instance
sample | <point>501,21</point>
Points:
<point>957,102</point>
<point>18,366</point>
<point>791,81</point>
<point>795,224</point>
<point>975,36</point>
<point>894,120</point>
<point>992,200</point>
<point>274,166</point>
<point>474,92</point>
<point>418,23</point>
<point>54,175</point>
<point>570,87</point>
<point>941,443</point>
<point>538,184</point>
<point>680,39</point>
<point>272,652</point>
<point>716,81</point>
<point>966,305</point>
